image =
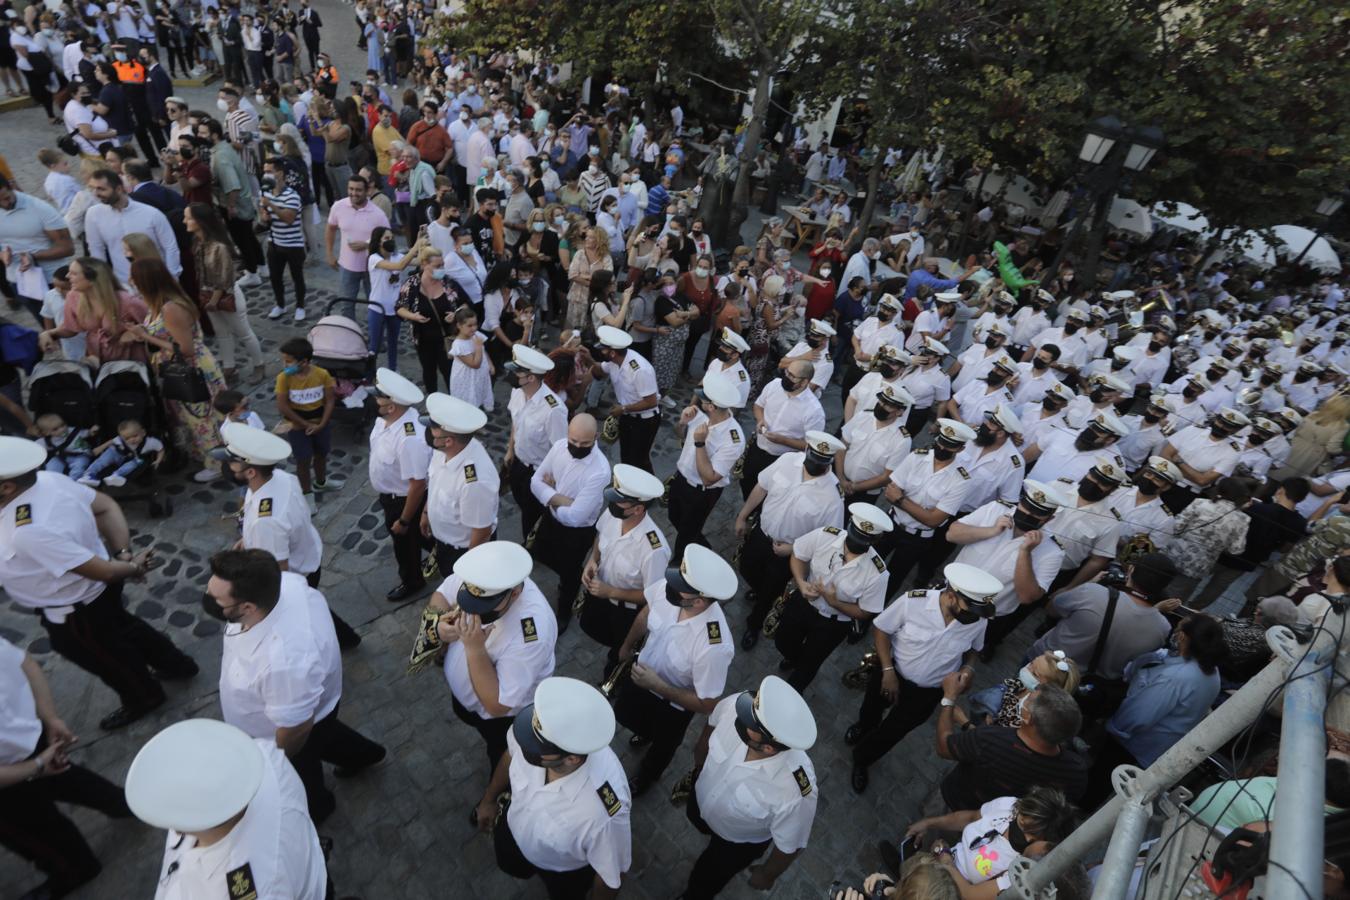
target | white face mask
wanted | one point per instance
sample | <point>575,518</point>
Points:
<point>1029,681</point>
<point>825,273</point>
<point>465,249</point>
<point>463,116</point>
<point>701,271</point>
<point>438,273</point>
<point>538,226</point>
<point>222,105</point>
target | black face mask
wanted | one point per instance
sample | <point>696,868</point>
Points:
<point>1086,440</point>
<point>723,355</point>
<point>993,343</point>
<point>855,546</point>
<point>388,246</point>
<point>1214,375</point>
<point>1151,419</point>
<point>1191,393</point>
<point>1147,486</point>
<point>490,616</point>
<point>994,380</point>
<point>744,731</point>
<point>1016,838</point>
<point>1118,364</point>
<point>1154,347</point>
<point>578,452</point>
<point>882,413</point>
<point>212,608</point>
<point>1090,490</point>
<point>888,371</point>
<point>1025,521</point>
<point>788,384</point>
<point>1071,327</point>
<point>1219,434</point>
<point>1267,380</point>
<point>816,467</point>
<point>185,152</point>
<point>943,455</point>
<point>675,598</point>
<point>1300,378</point>
<point>1040,365</point>
<point>815,342</point>
<point>885,315</point>
<point>616,510</point>
<point>1050,406</point>
<point>1097,394</point>
<point>965,616</point>
<point>536,759</point>
<point>1211,335</point>
<point>1257,439</point>
<point>984,436</point>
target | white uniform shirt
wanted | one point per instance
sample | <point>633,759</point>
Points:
<point>272,852</point>
<point>824,364</point>
<point>276,519</point>
<point>997,474</point>
<point>734,373</point>
<point>520,645</point>
<point>724,445</point>
<point>873,334</point>
<point>1073,350</point>
<point>584,480</point>
<point>284,671</point>
<point>634,560</point>
<point>1151,368</point>
<point>873,448</point>
<point>1143,441</point>
<point>998,555</point>
<point>930,321</point>
<point>20,728</point>
<point>1202,452</point>
<point>45,532</point>
<point>792,415</point>
<point>976,362</point>
<point>977,398</point>
<point>538,423</point>
<point>794,504</point>
<point>749,801</point>
<point>1061,459</point>
<point>924,648</point>
<point>864,393</point>
<point>980,330</point>
<point>633,379</point>
<point>694,653</point>
<point>1027,323</point>
<point>945,489</point>
<point>928,386</point>
<point>1038,428</point>
<point>1150,517</point>
<point>1256,460</point>
<point>1083,531</point>
<point>580,819</point>
<point>399,453</point>
<point>462,494</point>
<point>860,581</point>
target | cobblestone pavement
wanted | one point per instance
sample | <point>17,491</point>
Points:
<point>401,830</point>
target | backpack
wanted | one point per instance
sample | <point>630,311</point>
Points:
<point>19,346</point>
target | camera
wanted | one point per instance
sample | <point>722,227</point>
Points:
<point>838,887</point>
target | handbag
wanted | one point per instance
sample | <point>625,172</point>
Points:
<point>68,145</point>
<point>1099,697</point>
<point>181,381</point>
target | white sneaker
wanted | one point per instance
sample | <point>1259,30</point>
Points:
<point>86,480</point>
<point>263,271</point>
<point>300,314</point>
<point>250,279</point>
<point>313,507</point>
<point>333,483</point>
<point>667,403</point>
<point>114,480</point>
<point>206,476</point>
<point>276,312</point>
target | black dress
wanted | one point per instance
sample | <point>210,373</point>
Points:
<point>430,337</point>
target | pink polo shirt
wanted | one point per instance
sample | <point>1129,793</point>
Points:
<point>355,225</point>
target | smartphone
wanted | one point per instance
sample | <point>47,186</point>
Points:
<point>908,847</point>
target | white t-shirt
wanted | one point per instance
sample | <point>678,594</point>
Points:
<point>54,308</point>
<point>383,284</point>
<point>993,855</point>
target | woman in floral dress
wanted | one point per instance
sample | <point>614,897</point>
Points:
<point>172,326</point>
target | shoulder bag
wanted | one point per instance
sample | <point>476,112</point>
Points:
<point>181,381</point>
<point>1097,696</point>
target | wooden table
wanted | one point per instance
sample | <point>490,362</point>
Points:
<point>808,226</point>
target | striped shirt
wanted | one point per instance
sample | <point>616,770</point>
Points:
<point>284,235</point>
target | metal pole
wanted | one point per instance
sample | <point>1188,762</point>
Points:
<point>1215,730</point>
<point>1123,850</point>
<point>1298,259</point>
<point>1296,844</point>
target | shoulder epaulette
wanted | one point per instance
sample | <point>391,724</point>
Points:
<point>830,529</point>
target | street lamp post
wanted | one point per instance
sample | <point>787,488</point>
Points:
<point>1329,206</point>
<point>1112,150</point>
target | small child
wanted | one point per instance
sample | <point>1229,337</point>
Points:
<point>54,310</point>
<point>470,368</point>
<point>233,405</point>
<point>59,184</point>
<point>126,454</point>
<point>305,399</point>
<point>67,448</point>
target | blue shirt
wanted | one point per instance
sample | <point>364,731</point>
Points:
<point>1168,696</point>
<point>657,198</point>
<point>920,277</point>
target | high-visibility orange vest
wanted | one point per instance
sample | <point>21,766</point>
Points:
<point>328,74</point>
<point>130,72</point>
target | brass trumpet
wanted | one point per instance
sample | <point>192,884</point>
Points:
<point>856,678</point>
<point>620,672</point>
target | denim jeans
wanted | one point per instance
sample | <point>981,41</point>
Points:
<point>113,459</point>
<point>383,330</point>
<point>350,284</point>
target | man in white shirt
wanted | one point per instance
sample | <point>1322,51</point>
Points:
<point>636,396</point>
<point>399,460</point>
<point>115,216</point>
<point>462,481</point>
<point>785,410</point>
<point>711,443</point>
<point>281,670</point>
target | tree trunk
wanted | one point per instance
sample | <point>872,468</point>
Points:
<point>873,188</point>
<point>969,222</point>
<point>740,198</point>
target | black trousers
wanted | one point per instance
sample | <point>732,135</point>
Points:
<point>408,545</point>
<point>241,232</point>
<point>765,571</point>
<point>564,549</point>
<point>346,634</point>
<point>689,509</point>
<point>720,861</point>
<point>321,183</point>
<point>636,436</point>
<point>909,712</point>
<point>852,375</point>
<point>697,329</point>
<point>911,550</point>
<point>492,731</point>
<point>608,624</point>
<point>32,826</point>
<point>806,638</point>
<point>331,741</point>
<point>293,258</point>
<point>118,648</point>
<point>435,363</point>
<point>756,461</point>
<point>918,418</point>
<point>573,885</point>
<point>644,713</point>
<point>446,556</point>
<point>531,509</point>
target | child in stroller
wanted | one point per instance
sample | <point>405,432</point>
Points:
<point>68,449</point>
<point>123,456</point>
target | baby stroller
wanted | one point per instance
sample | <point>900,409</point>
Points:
<point>122,390</point>
<point>340,347</point>
<point>64,387</point>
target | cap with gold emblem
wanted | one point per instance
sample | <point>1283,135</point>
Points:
<point>1263,425</point>
<point>1003,416</point>
<point>1288,418</point>
<point>528,359</point>
<point>947,298</point>
<point>778,714</point>
<point>1060,391</point>
<point>1107,469</point>
<point>488,573</point>
<point>1003,298</point>
<point>933,347</point>
<point>1005,365</point>
<point>1162,403</point>
<point>255,446</point>
<point>867,523</point>
<point>567,717</point>
<point>1127,354</point>
<point>721,392</point>
<point>953,434</point>
<point>1043,498</point>
<point>400,390</point>
<point>729,338</point>
<point>1309,367</point>
<point>703,572</point>
<point>822,445</point>
<point>1096,312</point>
<point>890,301</point>
<point>890,351</point>
<point>614,338</point>
<point>1218,362</point>
<point>1112,382</point>
<point>1108,422</point>
<point>194,775</point>
<point>895,395</point>
<point>453,414</point>
<point>821,328</point>
<point>1044,296</point>
<point>1164,468</point>
<point>1231,420</point>
<point>996,328</point>
<point>19,456</point>
<point>631,483</point>
<point>1078,315</point>
<point>975,586</point>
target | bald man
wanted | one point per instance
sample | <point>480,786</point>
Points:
<point>785,411</point>
<point>570,483</point>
